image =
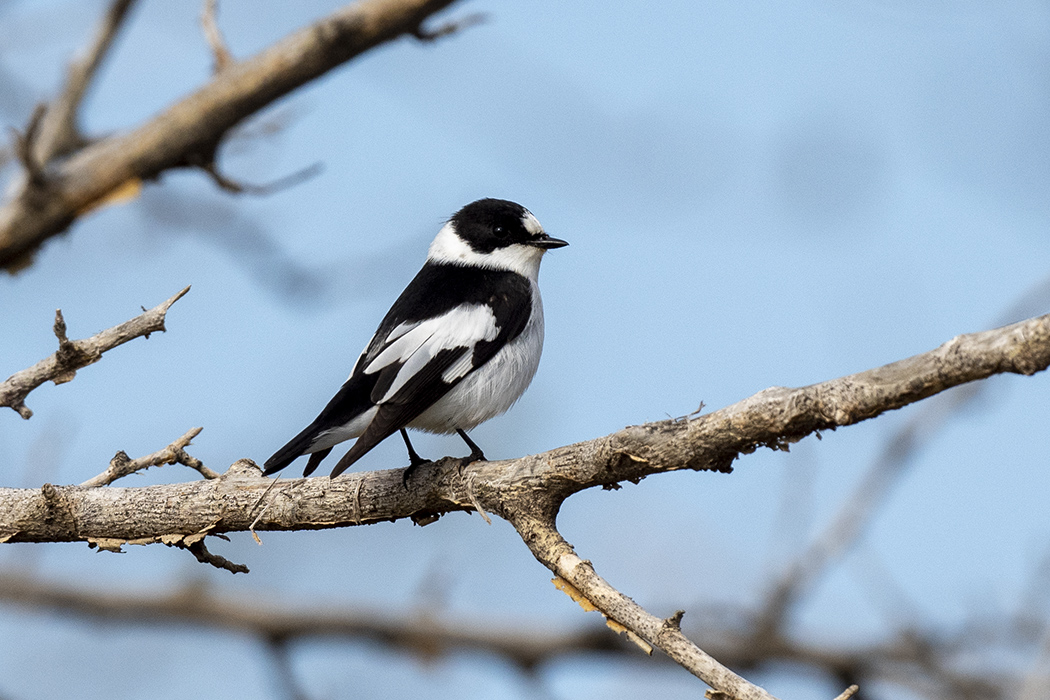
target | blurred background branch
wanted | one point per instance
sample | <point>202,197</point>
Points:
<point>189,132</point>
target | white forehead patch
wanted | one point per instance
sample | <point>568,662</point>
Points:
<point>531,224</point>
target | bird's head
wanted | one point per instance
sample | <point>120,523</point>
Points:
<point>496,234</point>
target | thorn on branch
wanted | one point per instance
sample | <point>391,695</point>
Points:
<point>233,186</point>
<point>449,28</point>
<point>198,550</point>
<point>674,623</point>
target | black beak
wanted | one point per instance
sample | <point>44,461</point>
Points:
<point>547,243</point>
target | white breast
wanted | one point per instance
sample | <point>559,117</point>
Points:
<point>492,389</point>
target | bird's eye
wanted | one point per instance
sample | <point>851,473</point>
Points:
<point>499,232</point>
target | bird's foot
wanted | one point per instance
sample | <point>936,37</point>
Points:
<point>414,460</point>
<point>476,455</point>
<point>416,463</point>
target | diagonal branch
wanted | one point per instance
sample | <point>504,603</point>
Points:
<point>551,550</point>
<point>190,131</point>
<point>72,355</point>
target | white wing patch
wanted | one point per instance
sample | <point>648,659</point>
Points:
<point>415,346</point>
<point>459,369</point>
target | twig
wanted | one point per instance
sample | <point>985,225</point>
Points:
<point>25,149</point>
<point>235,187</point>
<point>449,28</point>
<point>59,133</point>
<point>283,669</point>
<point>202,554</point>
<point>121,465</point>
<point>709,442</point>
<point>262,512</point>
<point>220,54</point>
<point>73,355</point>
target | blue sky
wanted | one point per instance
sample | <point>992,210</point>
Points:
<point>755,194</point>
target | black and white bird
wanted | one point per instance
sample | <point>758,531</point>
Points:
<point>458,347</point>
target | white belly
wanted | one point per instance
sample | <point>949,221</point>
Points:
<point>491,390</point>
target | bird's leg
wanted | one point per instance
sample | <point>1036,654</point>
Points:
<point>413,457</point>
<point>475,452</point>
<point>415,461</point>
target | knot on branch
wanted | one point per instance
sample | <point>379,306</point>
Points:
<point>58,512</point>
<point>674,623</point>
<point>70,356</point>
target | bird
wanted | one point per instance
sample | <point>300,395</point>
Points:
<point>458,347</point>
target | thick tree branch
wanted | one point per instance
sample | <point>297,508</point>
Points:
<point>771,418</point>
<point>528,492</point>
<point>188,133</point>
<point>72,355</point>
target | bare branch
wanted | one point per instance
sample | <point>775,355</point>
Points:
<point>190,130</point>
<point>428,636</point>
<point>551,549</point>
<point>771,418</point>
<point>281,657</point>
<point>528,492</point>
<point>422,634</point>
<point>121,465</point>
<point>220,54</point>
<point>198,550</point>
<point>59,133</point>
<point>72,355</point>
<point>234,187</point>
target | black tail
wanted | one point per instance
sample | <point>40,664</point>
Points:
<point>351,400</point>
<point>289,453</point>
